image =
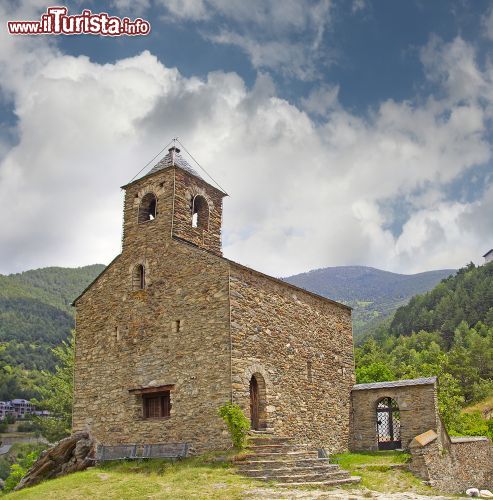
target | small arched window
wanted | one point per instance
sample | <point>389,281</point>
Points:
<point>200,212</point>
<point>138,277</point>
<point>147,208</point>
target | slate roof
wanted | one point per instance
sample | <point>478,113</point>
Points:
<point>488,252</point>
<point>395,383</point>
<point>174,159</point>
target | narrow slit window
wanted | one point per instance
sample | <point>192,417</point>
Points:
<point>177,326</point>
<point>117,333</point>
<point>309,371</point>
<point>138,278</point>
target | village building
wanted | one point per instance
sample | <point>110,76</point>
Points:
<point>17,408</point>
<point>172,330</point>
<point>488,256</point>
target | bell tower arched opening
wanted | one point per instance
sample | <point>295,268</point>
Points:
<point>147,208</point>
<point>200,212</point>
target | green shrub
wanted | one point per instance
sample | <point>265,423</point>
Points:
<point>19,470</point>
<point>472,424</point>
<point>26,427</point>
<point>237,423</point>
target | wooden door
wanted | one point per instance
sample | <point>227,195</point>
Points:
<point>254,404</point>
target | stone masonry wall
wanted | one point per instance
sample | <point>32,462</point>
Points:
<point>464,463</point>
<point>418,412</point>
<point>302,347</point>
<point>128,338</point>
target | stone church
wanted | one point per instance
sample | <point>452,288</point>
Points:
<point>171,330</point>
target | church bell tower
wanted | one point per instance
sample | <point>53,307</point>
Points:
<point>173,201</point>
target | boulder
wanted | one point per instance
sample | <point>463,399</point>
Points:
<point>472,492</point>
<point>71,454</point>
<point>485,494</point>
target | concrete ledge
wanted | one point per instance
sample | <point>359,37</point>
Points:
<point>468,439</point>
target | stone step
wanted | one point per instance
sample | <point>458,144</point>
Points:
<point>287,456</point>
<point>272,465</point>
<point>277,448</point>
<point>264,440</point>
<point>279,458</point>
<point>296,462</point>
<point>306,478</point>
<point>293,471</point>
<point>329,482</point>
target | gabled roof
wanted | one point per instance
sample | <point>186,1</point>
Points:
<point>488,252</point>
<point>283,283</point>
<point>231,262</point>
<point>395,383</point>
<point>173,159</point>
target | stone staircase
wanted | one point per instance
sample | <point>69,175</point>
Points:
<point>275,458</point>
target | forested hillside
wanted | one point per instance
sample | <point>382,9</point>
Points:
<point>447,332</point>
<point>372,293</point>
<point>467,296</point>
<point>35,316</point>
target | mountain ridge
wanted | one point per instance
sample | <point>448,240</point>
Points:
<point>374,294</point>
<point>35,312</point>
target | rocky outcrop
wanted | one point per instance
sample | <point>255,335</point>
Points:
<point>72,454</point>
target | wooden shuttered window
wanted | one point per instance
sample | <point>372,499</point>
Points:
<point>157,405</point>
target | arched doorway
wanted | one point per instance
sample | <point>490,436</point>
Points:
<point>388,424</point>
<point>257,402</point>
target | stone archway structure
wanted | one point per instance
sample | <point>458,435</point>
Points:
<point>415,399</point>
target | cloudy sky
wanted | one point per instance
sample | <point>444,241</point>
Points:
<point>345,132</point>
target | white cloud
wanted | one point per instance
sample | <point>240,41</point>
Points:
<point>304,193</point>
<point>321,100</point>
<point>190,10</point>
<point>358,5</point>
<point>136,7</point>
<point>487,23</point>
<point>264,29</point>
<point>454,67</point>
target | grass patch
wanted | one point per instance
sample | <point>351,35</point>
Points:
<point>211,476</point>
<point>482,406</point>
<point>4,435</point>
<point>207,476</point>
<point>380,471</point>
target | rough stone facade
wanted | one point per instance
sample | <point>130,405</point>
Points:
<point>417,401</point>
<point>302,347</point>
<point>202,327</point>
<point>453,464</point>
